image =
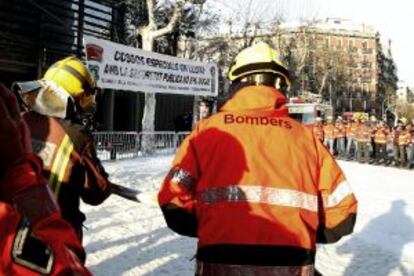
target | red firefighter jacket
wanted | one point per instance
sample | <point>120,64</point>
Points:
<point>256,187</point>
<point>41,243</point>
<point>70,164</point>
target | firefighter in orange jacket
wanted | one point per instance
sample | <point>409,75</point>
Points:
<point>254,185</point>
<point>35,240</point>
<point>363,137</point>
<point>55,106</point>
<point>339,133</point>
<point>318,129</point>
<point>329,130</point>
<point>351,143</point>
<point>380,142</point>
<point>402,139</point>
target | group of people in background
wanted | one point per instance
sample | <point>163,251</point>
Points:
<point>368,140</point>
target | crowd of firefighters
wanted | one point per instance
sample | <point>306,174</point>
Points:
<point>368,140</point>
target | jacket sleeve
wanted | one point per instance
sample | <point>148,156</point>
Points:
<point>29,192</point>
<point>96,187</point>
<point>337,203</point>
<point>176,196</point>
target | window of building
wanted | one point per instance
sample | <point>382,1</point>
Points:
<point>364,45</point>
<point>339,43</point>
<point>327,42</point>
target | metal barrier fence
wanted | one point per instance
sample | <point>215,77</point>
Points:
<point>122,145</point>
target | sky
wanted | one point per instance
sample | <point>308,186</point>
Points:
<point>393,19</point>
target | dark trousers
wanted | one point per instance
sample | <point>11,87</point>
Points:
<point>381,152</point>
<point>400,155</point>
<point>363,152</point>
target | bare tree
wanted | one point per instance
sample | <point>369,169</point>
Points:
<point>145,33</point>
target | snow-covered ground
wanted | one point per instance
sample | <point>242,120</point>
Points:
<point>125,238</point>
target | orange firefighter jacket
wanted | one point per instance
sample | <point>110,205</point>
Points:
<point>363,133</point>
<point>381,135</point>
<point>404,138</point>
<point>255,186</point>
<point>339,130</point>
<point>352,129</point>
<point>329,130</point>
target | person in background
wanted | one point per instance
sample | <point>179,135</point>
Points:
<point>411,158</point>
<point>54,110</point>
<point>351,143</point>
<point>373,125</point>
<point>380,143</point>
<point>339,133</point>
<point>318,129</point>
<point>401,138</point>
<point>35,240</point>
<point>204,109</point>
<point>329,130</point>
<point>254,185</point>
<point>363,138</point>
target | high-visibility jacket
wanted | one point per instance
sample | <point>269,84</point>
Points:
<point>256,187</point>
<point>381,135</point>
<point>363,133</point>
<point>318,131</point>
<point>339,130</point>
<point>70,164</point>
<point>352,130</point>
<point>329,130</point>
<point>41,242</point>
<point>404,138</point>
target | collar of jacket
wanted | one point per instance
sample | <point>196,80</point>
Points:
<point>257,99</point>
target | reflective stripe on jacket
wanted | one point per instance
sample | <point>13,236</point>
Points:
<point>352,130</point>
<point>381,135</point>
<point>256,187</point>
<point>404,138</point>
<point>363,133</point>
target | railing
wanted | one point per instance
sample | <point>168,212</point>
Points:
<point>122,145</point>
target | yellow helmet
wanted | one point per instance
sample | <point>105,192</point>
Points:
<point>71,74</point>
<point>403,120</point>
<point>257,59</point>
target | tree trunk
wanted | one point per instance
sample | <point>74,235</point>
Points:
<point>148,118</point>
<point>149,33</point>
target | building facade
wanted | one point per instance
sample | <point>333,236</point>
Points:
<point>337,59</point>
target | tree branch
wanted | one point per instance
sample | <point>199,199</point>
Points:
<point>173,21</point>
<point>150,9</point>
